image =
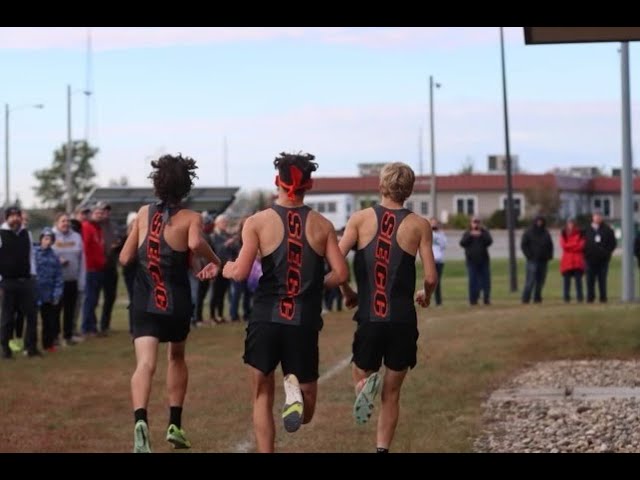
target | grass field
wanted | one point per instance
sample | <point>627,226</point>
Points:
<point>78,400</point>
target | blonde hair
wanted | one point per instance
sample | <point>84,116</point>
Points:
<point>396,181</point>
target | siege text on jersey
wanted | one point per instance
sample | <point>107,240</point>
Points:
<point>381,269</point>
<point>153,256</point>
<point>294,264</point>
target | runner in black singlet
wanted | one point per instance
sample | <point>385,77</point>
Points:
<point>387,238</point>
<point>294,242</point>
<point>163,240</point>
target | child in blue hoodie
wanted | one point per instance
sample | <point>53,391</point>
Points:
<point>50,285</point>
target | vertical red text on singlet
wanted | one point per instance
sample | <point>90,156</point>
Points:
<point>153,256</point>
<point>381,267</point>
<point>294,264</point>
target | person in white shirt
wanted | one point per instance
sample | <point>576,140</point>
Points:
<point>438,246</point>
<point>69,248</point>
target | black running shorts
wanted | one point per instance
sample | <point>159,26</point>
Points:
<point>395,343</point>
<point>166,328</point>
<point>294,347</point>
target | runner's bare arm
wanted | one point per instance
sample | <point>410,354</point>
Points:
<point>130,247</point>
<point>339,268</point>
<point>423,297</point>
<point>239,269</point>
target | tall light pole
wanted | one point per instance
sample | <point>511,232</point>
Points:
<point>513,273</point>
<point>434,204</point>
<point>7,111</point>
<point>628,230</point>
<point>69,150</point>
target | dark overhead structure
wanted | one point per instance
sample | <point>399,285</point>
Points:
<point>123,200</point>
<point>545,35</point>
<point>540,35</point>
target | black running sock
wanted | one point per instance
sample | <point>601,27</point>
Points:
<point>175,416</point>
<point>140,414</point>
<point>382,450</point>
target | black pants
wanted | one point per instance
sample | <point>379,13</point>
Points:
<point>66,308</point>
<point>438,292</point>
<point>534,281</point>
<point>597,271</point>
<point>566,285</point>
<point>220,287</point>
<point>19,294</point>
<point>110,289</point>
<point>49,319</point>
<point>19,327</point>
<point>203,288</point>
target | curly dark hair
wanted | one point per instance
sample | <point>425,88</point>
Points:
<point>303,161</point>
<point>173,177</point>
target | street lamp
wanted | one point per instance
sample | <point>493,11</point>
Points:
<point>7,111</point>
<point>434,204</point>
<point>513,273</point>
<point>67,163</point>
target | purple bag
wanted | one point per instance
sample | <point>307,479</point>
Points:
<point>254,276</point>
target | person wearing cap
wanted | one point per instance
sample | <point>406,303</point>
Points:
<point>286,317</point>
<point>50,284</point>
<point>17,270</point>
<point>165,240</point>
<point>476,242</point>
<point>16,343</point>
<point>93,244</point>
<point>68,247</point>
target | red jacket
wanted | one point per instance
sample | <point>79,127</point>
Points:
<point>93,243</point>
<point>572,244</point>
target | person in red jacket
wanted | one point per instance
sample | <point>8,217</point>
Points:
<point>93,243</point>
<point>572,242</point>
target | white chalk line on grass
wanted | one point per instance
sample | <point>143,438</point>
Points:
<point>247,444</point>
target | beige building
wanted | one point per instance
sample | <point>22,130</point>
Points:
<point>474,194</point>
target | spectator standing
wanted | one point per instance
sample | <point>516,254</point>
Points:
<point>537,247</point>
<point>476,242</point>
<point>572,261</point>
<point>600,242</point>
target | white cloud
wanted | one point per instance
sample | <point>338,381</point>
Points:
<point>110,38</point>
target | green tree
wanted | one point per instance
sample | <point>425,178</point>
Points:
<point>467,167</point>
<point>544,199</point>
<point>51,187</point>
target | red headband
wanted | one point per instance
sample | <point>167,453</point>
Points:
<point>296,178</point>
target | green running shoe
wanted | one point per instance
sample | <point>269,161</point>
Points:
<point>177,437</point>
<point>141,441</point>
<point>16,345</point>
<point>363,406</point>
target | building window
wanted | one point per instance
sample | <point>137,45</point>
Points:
<point>321,207</point>
<point>348,209</point>
<point>311,205</point>
<point>331,207</point>
<point>424,208</point>
<point>518,204</point>
<point>635,206</point>
<point>604,205</point>
<point>465,205</point>
<point>408,205</point>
